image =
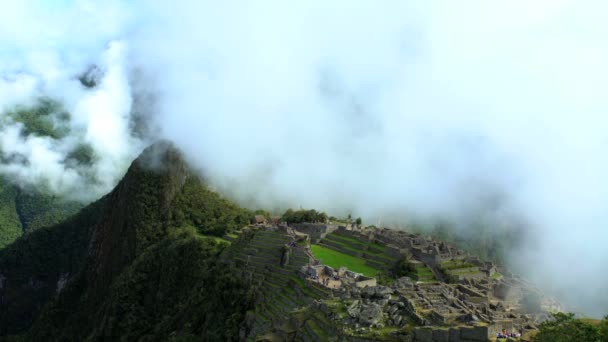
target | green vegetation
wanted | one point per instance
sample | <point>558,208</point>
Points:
<point>82,154</point>
<point>300,216</point>
<point>207,211</point>
<point>46,118</point>
<point>37,210</point>
<point>496,275</point>
<point>336,260</point>
<point>175,288</point>
<point>453,269</point>
<point>454,265</point>
<point>10,226</point>
<point>147,266</point>
<point>27,210</point>
<point>564,327</point>
<point>41,257</point>
<point>415,270</point>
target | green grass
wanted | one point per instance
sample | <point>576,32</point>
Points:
<point>455,264</point>
<point>496,275</point>
<point>343,245</point>
<point>346,239</point>
<point>357,245</point>
<point>337,259</point>
<point>592,321</point>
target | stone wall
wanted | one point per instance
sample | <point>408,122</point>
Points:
<point>460,334</point>
<point>393,251</point>
<point>499,325</point>
<point>363,281</point>
<point>316,231</point>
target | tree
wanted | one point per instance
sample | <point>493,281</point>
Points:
<point>300,216</point>
<point>603,329</point>
<point>358,221</point>
<point>403,268</point>
<point>565,328</point>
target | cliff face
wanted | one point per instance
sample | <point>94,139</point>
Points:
<point>137,214</point>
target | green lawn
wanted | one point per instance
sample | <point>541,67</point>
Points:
<point>336,260</point>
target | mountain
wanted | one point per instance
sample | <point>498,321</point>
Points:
<point>163,257</point>
<point>24,210</point>
<point>131,264</point>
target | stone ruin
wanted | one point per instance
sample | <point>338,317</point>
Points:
<point>332,279</point>
<point>471,301</point>
<point>315,231</point>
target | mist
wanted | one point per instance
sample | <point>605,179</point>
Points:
<point>454,111</point>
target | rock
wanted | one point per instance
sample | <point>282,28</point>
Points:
<point>370,314</point>
<point>393,309</point>
<point>384,290</point>
<point>468,318</point>
<point>397,319</point>
<point>379,291</point>
<point>404,283</point>
<point>354,309</point>
<point>63,279</point>
<point>383,302</point>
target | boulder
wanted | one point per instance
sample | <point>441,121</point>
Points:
<point>370,314</point>
<point>379,291</point>
<point>404,283</point>
<point>393,309</point>
<point>354,309</point>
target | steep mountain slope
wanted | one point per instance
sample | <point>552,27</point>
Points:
<point>25,210</point>
<point>141,266</point>
<point>36,266</point>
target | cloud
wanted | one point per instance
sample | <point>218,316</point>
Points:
<point>452,110</point>
<point>45,50</point>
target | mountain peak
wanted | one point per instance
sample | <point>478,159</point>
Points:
<point>137,211</point>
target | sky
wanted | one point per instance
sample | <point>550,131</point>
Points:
<point>389,111</point>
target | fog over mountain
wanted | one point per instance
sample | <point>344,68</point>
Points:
<point>465,111</point>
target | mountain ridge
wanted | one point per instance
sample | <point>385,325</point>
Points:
<point>162,257</point>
